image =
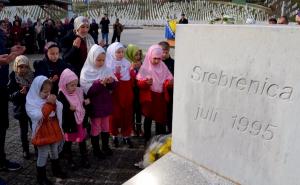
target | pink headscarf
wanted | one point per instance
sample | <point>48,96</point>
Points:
<point>159,72</point>
<point>76,98</point>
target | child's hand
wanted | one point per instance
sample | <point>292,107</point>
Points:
<point>54,78</point>
<point>77,42</point>
<point>171,82</point>
<point>101,43</point>
<point>149,81</point>
<point>51,99</point>
<point>110,80</point>
<point>72,108</point>
<point>87,101</point>
<point>118,69</point>
<point>103,82</point>
<point>23,90</point>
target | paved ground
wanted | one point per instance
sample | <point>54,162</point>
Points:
<point>112,171</point>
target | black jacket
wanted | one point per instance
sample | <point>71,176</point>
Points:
<point>18,99</point>
<point>4,69</point>
<point>71,54</point>
<point>69,124</point>
<point>170,64</point>
<point>49,69</point>
<point>104,25</point>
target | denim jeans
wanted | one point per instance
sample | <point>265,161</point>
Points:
<point>105,37</point>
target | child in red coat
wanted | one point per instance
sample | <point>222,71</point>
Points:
<point>122,95</point>
<point>154,79</point>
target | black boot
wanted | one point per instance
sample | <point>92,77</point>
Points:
<point>138,129</point>
<point>96,148</point>
<point>116,141</point>
<point>105,146</point>
<point>56,169</point>
<point>26,154</point>
<point>84,162</point>
<point>67,154</point>
<point>70,161</point>
<point>42,177</point>
<point>129,142</point>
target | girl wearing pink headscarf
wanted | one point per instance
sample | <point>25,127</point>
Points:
<point>154,79</point>
<point>73,120</point>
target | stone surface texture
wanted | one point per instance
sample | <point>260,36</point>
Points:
<point>236,104</point>
<point>175,170</point>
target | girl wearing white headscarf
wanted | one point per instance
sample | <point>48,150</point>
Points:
<point>97,81</point>
<point>77,44</point>
<point>38,101</point>
<point>123,95</point>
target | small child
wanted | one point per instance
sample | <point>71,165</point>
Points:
<point>20,80</point>
<point>41,106</point>
<point>169,61</point>
<point>123,94</point>
<point>134,55</point>
<point>51,66</point>
<point>73,120</point>
<point>97,82</point>
<point>154,79</point>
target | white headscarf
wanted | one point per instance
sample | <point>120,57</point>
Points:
<point>34,103</point>
<point>90,72</point>
<point>79,21</point>
<point>112,63</point>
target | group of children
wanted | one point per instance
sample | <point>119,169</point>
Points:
<point>105,98</point>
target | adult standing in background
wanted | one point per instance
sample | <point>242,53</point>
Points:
<point>183,19</point>
<point>77,43</point>
<point>105,28</point>
<point>28,38</point>
<point>40,35</point>
<point>94,30</point>
<point>50,31</point>
<point>16,33</point>
<point>6,56</point>
<point>118,28</point>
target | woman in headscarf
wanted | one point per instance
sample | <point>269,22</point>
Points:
<point>134,55</point>
<point>77,44</point>
<point>154,78</point>
<point>122,95</point>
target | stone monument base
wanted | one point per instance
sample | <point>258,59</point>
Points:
<point>176,170</point>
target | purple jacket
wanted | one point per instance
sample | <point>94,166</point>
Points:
<point>101,99</point>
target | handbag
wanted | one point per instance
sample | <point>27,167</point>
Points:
<point>47,132</point>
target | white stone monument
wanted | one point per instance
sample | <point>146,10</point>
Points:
<point>236,108</point>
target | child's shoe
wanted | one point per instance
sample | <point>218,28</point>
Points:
<point>116,142</point>
<point>56,169</point>
<point>105,144</point>
<point>129,142</point>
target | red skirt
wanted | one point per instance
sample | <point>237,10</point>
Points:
<point>156,109</point>
<point>122,116</point>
